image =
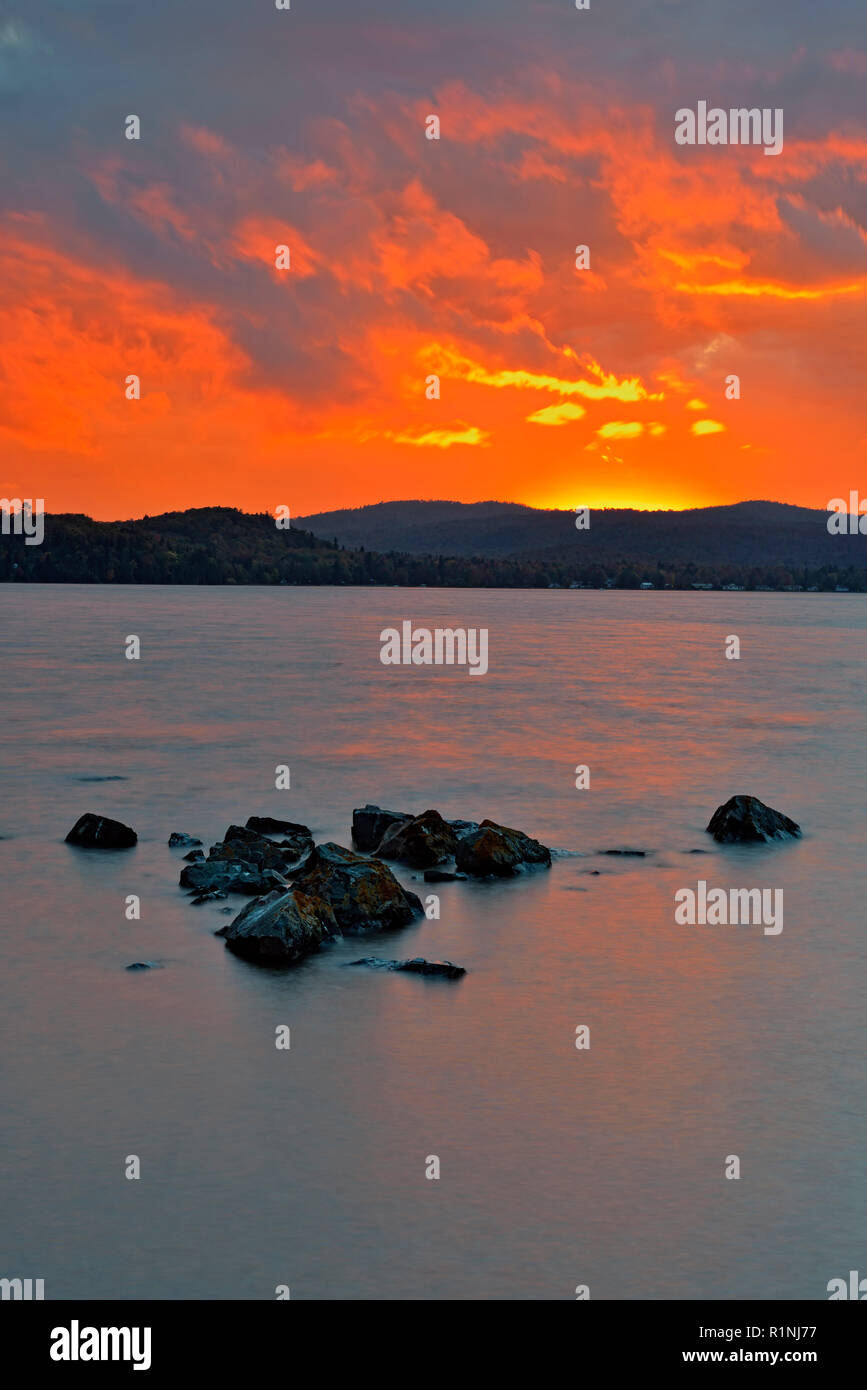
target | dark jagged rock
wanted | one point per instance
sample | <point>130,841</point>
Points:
<point>419,843</point>
<point>225,876</point>
<point>364,894</point>
<point>280,928</point>
<point>369,824</point>
<point>216,896</point>
<point>98,832</point>
<point>180,840</point>
<point>194,856</point>
<point>463,828</point>
<point>241,845</point>
<point>299,837</point>
<point>499,851</point>
<point>443,876</point>
<point>416,966</point>
<point>746,820</point>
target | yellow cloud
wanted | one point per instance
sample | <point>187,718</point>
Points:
<point>447,362</point>
<point>621,429</point>
<point>557,414</point>
<point>696,404</point>
<point>756,289</point>
<point>707,427</point>
<point>443,439</point>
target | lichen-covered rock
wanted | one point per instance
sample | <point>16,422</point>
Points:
<point>364,894</point>
<point>746,820</point>
<point>280,928</point>
<point>420,843</point>
<point>369,824</point>
<point>499,851</point>
<point>99,832</point>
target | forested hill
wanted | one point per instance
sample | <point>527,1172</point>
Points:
<point>220,545</point>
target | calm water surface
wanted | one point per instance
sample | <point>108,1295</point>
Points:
<point>559,1167</point>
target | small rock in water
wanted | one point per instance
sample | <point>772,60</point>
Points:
<point>369,824</point>
<point>194,856</point>
<point>420,843</point>
<point>212,897</point>
<point>443,876</point>
<point>363,893</point>
<point>280,928</point>
<point>99,832</point>
<point>180,839</point>
<point>144,965</point>
<point>497,850</point>
<point>746,820</point>
<point>632,853</point>
<point>417,966</point>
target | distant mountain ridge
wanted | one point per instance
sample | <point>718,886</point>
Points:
<point>752,545</point>
<point>742,533</point>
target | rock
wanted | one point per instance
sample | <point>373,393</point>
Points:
<point>194,856</point>
<point>463,828</point>
<point>180,840</point>
<point>369,824</point>
<point>497,850</point>
<point>267,825</point>
<point>364,894</point>
<point>746,820</point>
<point>420,843</point>
<point>280,928</point>
<point>243,846</point>
<point>631,853</point>
<point>443,876</point>
<point>416,966</point>
<point>98,832</point>
<point>217,896</point>
<point>144,965</point>
<point>212,876</point>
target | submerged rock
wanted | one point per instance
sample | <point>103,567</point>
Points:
<point>416,966</point>
<point>443,876</point>
<point>179,839</point>
<point>500,851</point>
<point>99,832</point>
<point>419,843</point>
<point>746,820</point>
<point>280,928</point>
<point>144,965</point>
<point>627,853</point>
<point>363,894</point>
<point>369,824</point>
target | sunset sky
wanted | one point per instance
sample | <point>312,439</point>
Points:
<point>412,257</point>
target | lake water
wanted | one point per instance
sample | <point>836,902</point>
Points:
<point>559,1167</point>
